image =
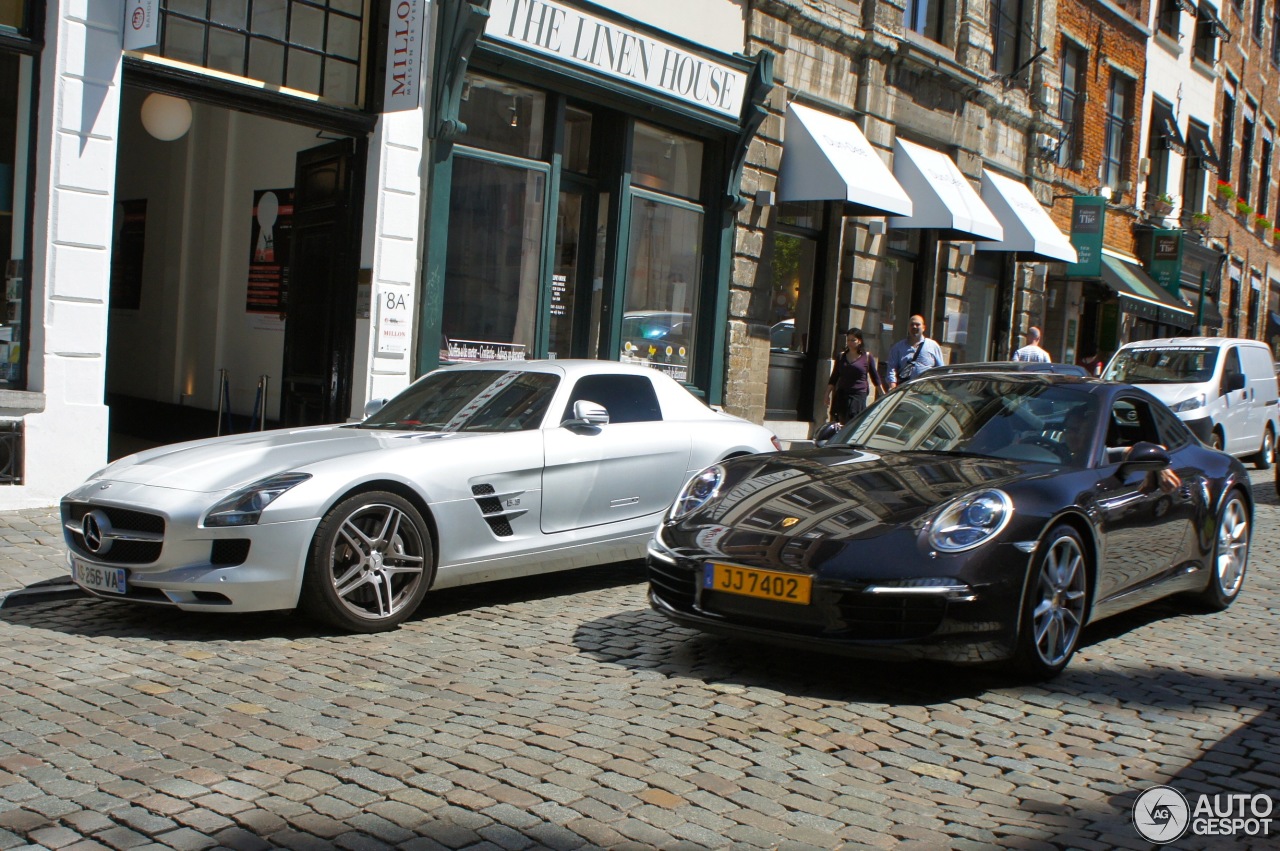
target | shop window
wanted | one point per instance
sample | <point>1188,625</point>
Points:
<point>15,125</point>
<point>663,284</point>
<point>312,46</point>
<point>493,285</point>
<point>969,310</point>
<point>503,117</point>
<point>789,259</point>
<point>577,141</point>
<point>666,162</point>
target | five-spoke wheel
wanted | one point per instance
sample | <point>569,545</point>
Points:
<point>369,563</point>
<point>1055,605</point>
<point>1230,554</point>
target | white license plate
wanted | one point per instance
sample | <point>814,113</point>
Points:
<point>99,577</point>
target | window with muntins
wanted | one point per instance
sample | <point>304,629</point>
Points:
<point>1006,36</point>
<point>1119,102</point>
<point>1205,43</point>
<point>312,46</point>
<point>1169,18</point>
<point>924,17</point>
<point>1227,141</point>
<point>1264,172</point>
<point>1070,102</point>
<point>1245,190</point>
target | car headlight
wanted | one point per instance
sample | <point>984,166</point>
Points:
<point>697,492</point>
<point>244,507</point>
<point>970,521</point>
<point>1191,404</point>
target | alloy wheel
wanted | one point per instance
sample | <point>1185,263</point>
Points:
<point>1232,553</point>
<point>1058,616</point>
<point>377,561</point>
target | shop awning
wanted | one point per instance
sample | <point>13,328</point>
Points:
<point>1028,230</point>
<point>826,158</point>
<point>1165,126</point>
<point>942,195</point>
<point>1142,296</point>
<point>1200,147</point>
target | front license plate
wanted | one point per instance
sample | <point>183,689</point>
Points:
<point>108,579</point>
<point>764,584</point>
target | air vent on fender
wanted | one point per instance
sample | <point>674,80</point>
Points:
<point>498,509</point>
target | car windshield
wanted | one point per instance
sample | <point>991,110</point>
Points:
<point>988,416</point>
<point>1171,365</point>
<point>469,400</point>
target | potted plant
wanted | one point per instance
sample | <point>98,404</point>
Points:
<point>1162,204</point>
<point>1262,223</point>
<point>1225,190</point>
<point>1201,220</point>
<point>1243,207</point>
<point>1275,236</point>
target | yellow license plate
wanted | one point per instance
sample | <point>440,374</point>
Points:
<point>764,584</point>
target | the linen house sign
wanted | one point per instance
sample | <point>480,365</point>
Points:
<point>587,41</point>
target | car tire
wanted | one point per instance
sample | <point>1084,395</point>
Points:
<point>1266,455</point>
<point>1054,606</point>
<point>1216,440</point>
<point>1232,534</point>
<point>369,564</point>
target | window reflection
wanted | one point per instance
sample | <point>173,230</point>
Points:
<point>663,276</point>
<point>666,162</point>
<point>502,117</point>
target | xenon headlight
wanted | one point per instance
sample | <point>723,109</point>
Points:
<point>697,492</point>
<point>1196,401</point>
<point>244,507</point>
<point>970,521</point>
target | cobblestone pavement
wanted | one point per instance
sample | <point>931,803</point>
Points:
<point>560,712</point>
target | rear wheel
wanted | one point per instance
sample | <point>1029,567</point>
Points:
<point>1267,453</point>
<point>369,563</point>
<point>1053,612</point>
<point>1216,440</point>
<point>1230,554</point>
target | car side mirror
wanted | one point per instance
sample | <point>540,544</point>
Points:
<point>1234,381</point>
<point>373,406</point>
<point>823,435</point>
<point>587,414</point>
<point>1144,457</point>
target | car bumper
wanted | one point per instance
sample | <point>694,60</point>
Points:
<point>960,622</point>
<point>237,569</point>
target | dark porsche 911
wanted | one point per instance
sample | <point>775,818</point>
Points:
<point>969,517</point>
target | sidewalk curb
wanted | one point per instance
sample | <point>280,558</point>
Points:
<point>48,591</point>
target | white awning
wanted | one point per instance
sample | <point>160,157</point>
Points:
<point>1028,229</point>
<point>942,195</point>
<point>826,158</point>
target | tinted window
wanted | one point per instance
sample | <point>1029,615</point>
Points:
<point>627,398</point>
<point>1230,366</point>
<point>469,400</point>
<point>1172,365</point>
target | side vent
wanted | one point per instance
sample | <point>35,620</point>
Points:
<point>491,503</point>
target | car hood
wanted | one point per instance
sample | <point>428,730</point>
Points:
<point>221,463</point>
<point>1172,394</point>
<point>841,493</point>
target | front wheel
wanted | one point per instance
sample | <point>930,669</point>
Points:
<point>1216,440</point>
<point>1267,453</point>
<point>369,563</point>
<point>1053,611</point>
<point>1230,554</point>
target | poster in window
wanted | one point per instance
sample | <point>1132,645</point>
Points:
<point>270,238</point>
<point>128,245</point>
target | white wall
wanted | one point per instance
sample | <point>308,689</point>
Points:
<point>718,24</point>
<point>70,263</point>
<point>192,317</point>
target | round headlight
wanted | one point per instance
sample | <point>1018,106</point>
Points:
<point>970,521</point>
<point>698,491</point>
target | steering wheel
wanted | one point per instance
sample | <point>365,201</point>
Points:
<point>1063,453</point>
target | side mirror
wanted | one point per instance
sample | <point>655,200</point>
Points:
<point>823,435</point>
<point>373,406</point>
<point>1234,381</point>
<point>1144,457</point>
<point>587,414</point>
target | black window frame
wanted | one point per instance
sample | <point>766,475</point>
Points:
<point>1169,18</point>
<point>1008,42</point>
<point>926,18</point>
<point>1259,20</point>
<point>1226,142</point>
<point>1071,99</point>
<point>1248,135</point>
<point>1208,30</point>
<point>1119,130</point>
<point>1264,171</point>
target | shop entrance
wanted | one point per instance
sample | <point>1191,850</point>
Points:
<point>231,244</point>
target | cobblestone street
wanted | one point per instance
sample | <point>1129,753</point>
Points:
<point>561,712</point>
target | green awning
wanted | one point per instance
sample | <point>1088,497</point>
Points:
<point>1142,296</point>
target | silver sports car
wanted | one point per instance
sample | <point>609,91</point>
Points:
<point>474,472</point>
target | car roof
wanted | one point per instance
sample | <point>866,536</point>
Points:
<point>1159,342</point>
<point>1006,366</point>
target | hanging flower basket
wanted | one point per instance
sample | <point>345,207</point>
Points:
<point>1243,207</point>
<point>1262,222</point>
<point>1225,190</point>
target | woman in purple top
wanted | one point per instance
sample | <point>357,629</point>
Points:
<point>851,380</point>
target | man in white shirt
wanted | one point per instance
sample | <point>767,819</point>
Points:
<point>1032,351</point>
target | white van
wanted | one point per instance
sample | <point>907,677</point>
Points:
<point>1223,388</point>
